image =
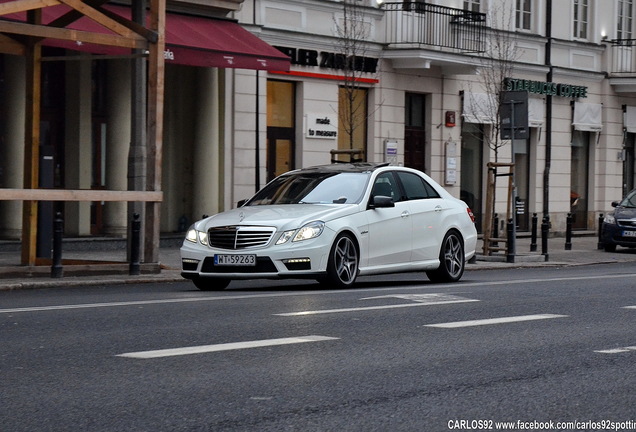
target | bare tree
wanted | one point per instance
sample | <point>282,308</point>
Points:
<point>352,32</point>
<point>496,64</point>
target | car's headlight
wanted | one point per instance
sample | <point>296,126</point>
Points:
<point>609,219</point>
<point>309,231</point>
<point>193,236</point>
<point>203,237</point>
<point>284,238</point>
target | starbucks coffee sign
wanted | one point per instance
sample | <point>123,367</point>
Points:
<point>545,88</point>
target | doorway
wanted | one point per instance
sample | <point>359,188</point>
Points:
<point>415,131</point>
<point>472,161</point>
<point>579,174</point>
<point>281,131</point>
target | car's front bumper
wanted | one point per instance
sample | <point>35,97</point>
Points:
<point>303,260</point>
<point>613,234</point>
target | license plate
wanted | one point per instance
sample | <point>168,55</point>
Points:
<point>235,260</point>
<point>629,233</point>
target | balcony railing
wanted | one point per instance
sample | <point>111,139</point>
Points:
<point>623,57</point>
<point>411,24</point>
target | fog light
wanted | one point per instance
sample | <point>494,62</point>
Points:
<point>189,264</point>
<point>297,264</point>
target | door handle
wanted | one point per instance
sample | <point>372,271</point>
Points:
<point>405,214</point>
<point>438,208</point>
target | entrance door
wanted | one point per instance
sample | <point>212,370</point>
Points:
<point>280,151</point>
<point>579,173</point>
<point>628,164</point>
<point>472,162</point>
<point>280,127</point>
<point>415,132</point>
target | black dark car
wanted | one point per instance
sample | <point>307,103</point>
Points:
<point>619,226</point>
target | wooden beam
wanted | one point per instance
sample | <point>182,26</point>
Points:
<point>32,143</point>
<point>11,46</point>
<point>79,195</point>
<point>25,5</point>
<point>100,18</point>
<point>41,31</point>
<point>156,73</point>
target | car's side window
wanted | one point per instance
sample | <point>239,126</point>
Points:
<point>415,187</point>
<point>385,185</point>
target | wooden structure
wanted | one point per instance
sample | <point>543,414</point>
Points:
<point>490,242</point>
<point>25,38</point>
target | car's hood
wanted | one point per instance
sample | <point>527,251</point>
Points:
<point>625,213</point>
<point>284,216</point>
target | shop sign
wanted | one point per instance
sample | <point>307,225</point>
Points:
<point>322,126</point>
<point>545,88</point>
<point>325,59</point>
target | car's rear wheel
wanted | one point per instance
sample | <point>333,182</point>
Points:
<point>452,260</point>
<point>609,247</point>
<point>342,266</point>
<point>211,284</point>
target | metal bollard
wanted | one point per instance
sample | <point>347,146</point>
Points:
<point>568,232</point>
<point>600,245</point>
<point>545,229</point>
<point>57,270</point>
<point>533,239</point>
<point>135,246</point>
<point>510,256</point>
<point>495,229</point>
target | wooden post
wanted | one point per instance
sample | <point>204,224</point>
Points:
<point>156,74</point>
<point>32,143</point>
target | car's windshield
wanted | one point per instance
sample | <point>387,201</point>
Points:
<point>313,188</point>
<point>629,200</point>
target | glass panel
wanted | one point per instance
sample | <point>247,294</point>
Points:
<point>280,103</point>
<point>579,170</point>
<point>283,156</point>
<point>471,170</point>
<point>522,180</point>
<point>352,120</point>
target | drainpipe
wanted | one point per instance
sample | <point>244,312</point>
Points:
<point>548,111</point>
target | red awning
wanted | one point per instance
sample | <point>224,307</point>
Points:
<point>190,40</point>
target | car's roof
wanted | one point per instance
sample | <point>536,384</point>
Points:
<point>357,167</point>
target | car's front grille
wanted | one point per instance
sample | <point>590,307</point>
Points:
<point>626,222</point>
<point>239,237</point>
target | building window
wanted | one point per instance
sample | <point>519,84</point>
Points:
<point>472,5</point>
<point>523,15</point>
<point>625,17</point>
<point>580,19</point>
<point>352,121</point>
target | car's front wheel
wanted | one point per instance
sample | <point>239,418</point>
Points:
<point>210,284</point>
<point>342,266</point>
<point>452,260</point>
<point>609,247</point>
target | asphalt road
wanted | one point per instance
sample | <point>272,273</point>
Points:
<point>534,347</point>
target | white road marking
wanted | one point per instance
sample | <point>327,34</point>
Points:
<point>629,307</point>
<point>473,323</point>
<point>223,347</point>
<point>309,292</point>
<point>422,300</point>
<point>617,350</point>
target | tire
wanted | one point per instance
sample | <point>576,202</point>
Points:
<point>342,266</point>
<point>452,260</point>
<point>609,247</point>
<point>211,284</point>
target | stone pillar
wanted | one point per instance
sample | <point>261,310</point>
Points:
<point>12,146</point>
<point>78,146</point>
<point>206,164</point>
<point>117,144</point>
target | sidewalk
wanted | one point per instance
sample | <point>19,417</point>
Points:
<point>106,265</point>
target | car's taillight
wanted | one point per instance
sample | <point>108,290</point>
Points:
<point>470,214</point>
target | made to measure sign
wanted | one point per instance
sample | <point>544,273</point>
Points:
<point>323,126</point>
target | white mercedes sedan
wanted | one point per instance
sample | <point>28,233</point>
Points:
<point>334,223</point>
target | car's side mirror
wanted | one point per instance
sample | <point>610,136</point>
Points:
<point>615,203</point>
<point>381,201</point>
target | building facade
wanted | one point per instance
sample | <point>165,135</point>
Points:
<point>411,83</point>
